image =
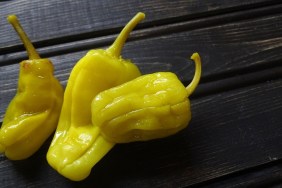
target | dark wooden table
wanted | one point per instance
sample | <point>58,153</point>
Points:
<point>235,136</point>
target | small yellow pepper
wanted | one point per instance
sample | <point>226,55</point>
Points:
<point>32,115</point>
<point>77,145</point>
<point>148,107</point>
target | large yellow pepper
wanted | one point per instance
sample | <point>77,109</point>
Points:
<point>148,107</point>
<point>77,145</point>
<point>33,114</point>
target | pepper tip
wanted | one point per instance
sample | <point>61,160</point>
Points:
<point>12,18</point>
<point>141,15</point>
<point>195,56</point>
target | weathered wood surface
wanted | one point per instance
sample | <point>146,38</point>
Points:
<point>235,136</point>
<point>46,20</point>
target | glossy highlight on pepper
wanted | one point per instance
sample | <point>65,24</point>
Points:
<point>149,107</point>
<point>33,113</point>
<point>77,144</point>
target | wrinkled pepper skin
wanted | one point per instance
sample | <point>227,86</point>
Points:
<point>33,113</point>
<point>149,107</point>
<point>77,144</point>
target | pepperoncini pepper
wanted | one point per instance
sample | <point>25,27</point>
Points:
<point>77,145</point>
<point>32,115</point>
<point>148,107</point>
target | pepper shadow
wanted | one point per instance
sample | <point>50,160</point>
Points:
<point>127,165</point>
<point>30,169</point>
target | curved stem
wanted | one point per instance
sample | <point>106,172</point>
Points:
<point>32,54</point>
<point>116,47</point>
<point>198,69</point>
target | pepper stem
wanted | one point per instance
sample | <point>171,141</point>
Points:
<point>198,69</point>
<point>116,47</point>
<point>32,54</point>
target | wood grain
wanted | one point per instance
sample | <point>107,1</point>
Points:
<point>227,51</point>
<point>235,136</point>
<point>214,145</point>
<point>72,20</point>
<point>267,175</point>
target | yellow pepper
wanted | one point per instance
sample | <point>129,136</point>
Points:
<point>77,145</point>
<point>148,107</point>
<point>32,115</point>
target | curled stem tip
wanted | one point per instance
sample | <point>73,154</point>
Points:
<point>198,69</point>
<point>116,47</point>
<point>13,20</point>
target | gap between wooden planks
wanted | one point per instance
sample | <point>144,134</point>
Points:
<point>66,21</point>
<point>230,132</point>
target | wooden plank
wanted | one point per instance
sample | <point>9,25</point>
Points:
<point>8,81</point>
<point>68,20</point>
<point>220,36</point>
<point>228,51</point>
<point>268,175</point>
<point>230,131</point>
<point>236,122</point>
